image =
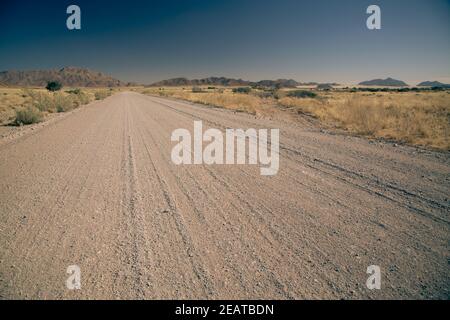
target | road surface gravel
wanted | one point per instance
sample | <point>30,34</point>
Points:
<point>97,188</point>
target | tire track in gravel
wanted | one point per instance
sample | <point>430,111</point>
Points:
<point>200,187</point>
<point>132,253</point>
<point>371,186</point>
<point>349,179</point>
<point>187,112</point>
<point>193,256</point>
<point>168,151</point>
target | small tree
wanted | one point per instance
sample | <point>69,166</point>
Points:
<point>53,86</point>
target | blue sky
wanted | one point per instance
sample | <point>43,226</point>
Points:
<point>146,41</point>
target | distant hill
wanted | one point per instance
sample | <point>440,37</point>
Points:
<point>213,81</point>
<point>389,82</point>
<point>280,83</point>
<point>68,76</point>
<point>222,81</point>
<point>324,86</point>
<point>435,84</point>
<point>175,82</point>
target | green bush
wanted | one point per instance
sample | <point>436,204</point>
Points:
<point>301,94</point>
<point>28,115</point>
<point>53,86</point>
<point>245,90</point>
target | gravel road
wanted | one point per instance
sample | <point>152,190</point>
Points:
<point>97,188</point>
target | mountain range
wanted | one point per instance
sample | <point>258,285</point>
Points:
<point>217,81</point>
<point>222,81</point>
<point>82,77</point>
<point>68,76</point>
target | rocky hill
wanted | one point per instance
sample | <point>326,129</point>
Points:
<point>68,76</point>
<point>212,81</point>
<point>435,84</point>
<point>222,81</point>
<point>389,82</point>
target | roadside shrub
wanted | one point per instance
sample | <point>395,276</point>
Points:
<point>83,98</point>
<point>79,97</point>
<point>265,94</point>
<point>41,100</point>
<point>58,101</point>
<point>100,95</point>
<point>63,103</point>
<point>301,94</point>
<point>197,90</point>
<point>53,86</point>
<point>28,115</point>
<point>245,90</point>
<point>74,91</point>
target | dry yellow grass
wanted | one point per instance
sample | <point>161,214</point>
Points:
<point>222,98</point>
<point>13,100</point>
<point>10,101</point>
<point>415,118</point>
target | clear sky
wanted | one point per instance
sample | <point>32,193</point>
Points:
<point>146,41</point>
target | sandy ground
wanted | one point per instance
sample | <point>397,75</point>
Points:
<point>97,189</point>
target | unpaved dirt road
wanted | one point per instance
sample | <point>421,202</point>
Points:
<point>97,189</point>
